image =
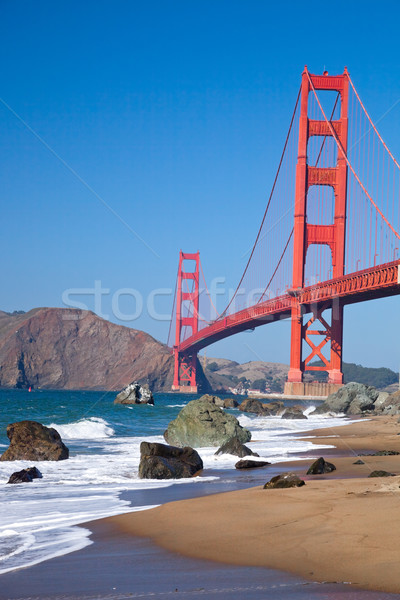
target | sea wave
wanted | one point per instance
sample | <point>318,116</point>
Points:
<point>12,543</point>
<point>89,429</point>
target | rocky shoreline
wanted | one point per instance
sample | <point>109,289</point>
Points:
<point>314,530</point>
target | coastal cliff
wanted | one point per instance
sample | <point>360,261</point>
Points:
<point>65,348</point>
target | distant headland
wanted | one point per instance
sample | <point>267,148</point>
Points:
<point>69,348</point>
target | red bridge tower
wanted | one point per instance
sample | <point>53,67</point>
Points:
<point>187,301</point>
<point>307,234</point>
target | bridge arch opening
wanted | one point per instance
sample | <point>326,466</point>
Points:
<point>322,151</point>
<point>330,101</point>
<point>320,205</point>
<point>318,265</point>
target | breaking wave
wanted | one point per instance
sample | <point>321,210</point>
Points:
<point>89,429</point>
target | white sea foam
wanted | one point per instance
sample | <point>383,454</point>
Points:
<point>274,439</point>
<point>88,429</point>
<point>39,520</point>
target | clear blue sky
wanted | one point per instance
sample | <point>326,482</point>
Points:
<point>173,114</point>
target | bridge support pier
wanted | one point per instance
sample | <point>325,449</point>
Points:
<point>184,373</point>
<point>312,388</point>
<point>316,333</point>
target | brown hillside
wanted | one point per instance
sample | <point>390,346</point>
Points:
<point>68,348</point>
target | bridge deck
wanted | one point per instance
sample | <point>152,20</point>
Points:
<point>375,282</point>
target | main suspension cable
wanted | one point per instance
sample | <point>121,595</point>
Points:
<point>372,123</point>
<point>267,208</point>
<point>339,144</point>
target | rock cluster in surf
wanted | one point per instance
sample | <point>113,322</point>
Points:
<point>357,398</point>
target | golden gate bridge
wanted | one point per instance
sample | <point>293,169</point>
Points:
<point>329,237</point>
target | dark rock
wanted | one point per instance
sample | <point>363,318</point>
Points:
<point>353,398</point>
<point>201,423</point>
<point>274,408</point>
<point>20,477</point>
<point>293,412</point>
<point>359,462</point>
<point>25,476</point>
<point>230,403</point>
<point>135,393</point>
<point>320,466</point>
<point>251,464</point>
<point>30,440</point>
<point>158,461</point>
<point>252,405</point>
<point>379,473</point>
<point>284,480</point>
<point>235,447</point>
<point>34,472</point>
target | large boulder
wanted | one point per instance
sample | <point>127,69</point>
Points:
<point>135,393</point>
<point>353,398</point>
<point>235,447</point>
<point>201,423</point>
<point>321,466</point>
<point>252,405</point>
<point>30,440</point>
<point>158,461</point>
<point>284,480</point>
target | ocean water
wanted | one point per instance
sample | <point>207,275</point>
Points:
<point>38,520</point>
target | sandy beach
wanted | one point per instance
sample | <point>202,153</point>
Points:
<point>306,543</point>
<point>340,527</point>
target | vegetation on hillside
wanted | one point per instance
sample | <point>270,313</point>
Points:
<point>378,377</point>
<point>269,381</point>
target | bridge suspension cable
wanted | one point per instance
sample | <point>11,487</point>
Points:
<point>372,123</point>
<point>344,154</point>
<point>224,312</point>
<point>373,216</point>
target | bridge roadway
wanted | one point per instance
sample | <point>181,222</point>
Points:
<point>372,283</point>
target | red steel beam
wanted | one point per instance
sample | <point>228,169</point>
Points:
<point>372,283</point>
